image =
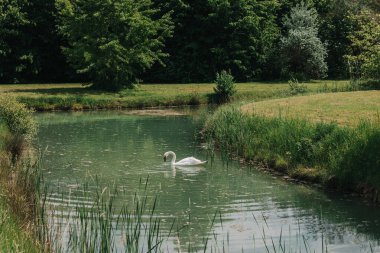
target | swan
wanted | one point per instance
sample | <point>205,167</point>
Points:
<point>188,161</point>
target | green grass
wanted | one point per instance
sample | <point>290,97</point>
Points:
<point>17,225</point>
<point>13,237</point>
<point>78,97</point>
<point>336,156</point>
<point>346,109</point>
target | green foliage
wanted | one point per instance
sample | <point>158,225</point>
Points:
<point>350,155</point>
<point>225,86</point>
<point>364,59</point>
<point>304,53</point>
<point>29,44</point>
<point>12,20</point>
<point>113,41</point>
<point>209,36</point>
<point>214,35</point>
<point>17,117</point>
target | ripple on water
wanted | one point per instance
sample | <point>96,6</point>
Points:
<point>126,151</point>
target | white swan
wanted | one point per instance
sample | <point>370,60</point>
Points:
<point>188,161</point>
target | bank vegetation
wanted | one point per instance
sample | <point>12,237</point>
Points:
<point>344,157</point>
<point>18,178</point>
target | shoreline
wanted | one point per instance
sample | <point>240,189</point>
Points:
<point>314,153</point>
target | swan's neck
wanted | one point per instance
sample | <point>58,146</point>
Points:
<point>173,156</point>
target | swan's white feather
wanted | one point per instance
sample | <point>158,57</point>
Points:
<point>188,161</point>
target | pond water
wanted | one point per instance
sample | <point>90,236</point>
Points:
<point>238,208</point>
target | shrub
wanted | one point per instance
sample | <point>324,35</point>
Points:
<point>17,117</point>
<point>225,86</point>
<point>20,124</point>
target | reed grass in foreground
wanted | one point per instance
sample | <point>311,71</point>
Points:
<point>344,108</point>
<point>13,237</point>
<point>77,97</point>
<point>335,156</point>
<point>97,224</point>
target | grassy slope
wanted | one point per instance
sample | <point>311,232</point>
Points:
<point>75,96</point>
<point>346,109</point>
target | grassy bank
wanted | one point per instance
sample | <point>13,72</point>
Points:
<point>345,109</point>
<point>77,97</point>
<point>17,185</point>
<point>339,157</point>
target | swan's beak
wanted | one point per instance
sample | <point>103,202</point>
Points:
<point>164,158</point>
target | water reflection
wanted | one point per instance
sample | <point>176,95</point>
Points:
<point>241,207</point>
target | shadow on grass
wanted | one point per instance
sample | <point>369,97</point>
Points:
<point>60,90</point>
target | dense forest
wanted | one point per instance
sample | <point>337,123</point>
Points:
<point>116,43</point>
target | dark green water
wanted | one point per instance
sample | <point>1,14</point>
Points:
<point>253,208</point>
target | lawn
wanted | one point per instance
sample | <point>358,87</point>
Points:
<point>344,108</point>
<point>78,97</point>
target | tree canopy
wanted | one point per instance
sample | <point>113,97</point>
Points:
<point>114,44</point>
<point>112,41</point>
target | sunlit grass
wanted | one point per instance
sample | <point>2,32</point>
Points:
<point>345,108</point>
<point>12,237</point>
<point>78,97</point>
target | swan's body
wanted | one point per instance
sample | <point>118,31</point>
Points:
<point>188,161</point>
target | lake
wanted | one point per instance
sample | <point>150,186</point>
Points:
<point>218,207</point>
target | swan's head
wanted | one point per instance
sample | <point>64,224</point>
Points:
<point>166,156</point>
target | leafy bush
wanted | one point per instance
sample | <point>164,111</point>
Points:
<point>225,86</point>
<point>17,118</point>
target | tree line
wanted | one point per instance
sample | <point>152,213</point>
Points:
<point>118,43</point>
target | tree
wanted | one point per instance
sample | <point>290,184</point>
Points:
<point>304,53</point>
<point>364,59</point>
<point>213,35</point>
<point>113,41</point>
<point>14,58</point>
